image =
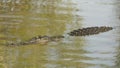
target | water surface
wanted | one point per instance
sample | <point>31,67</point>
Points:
<point>21,20</point>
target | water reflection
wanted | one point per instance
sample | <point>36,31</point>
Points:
<point>99,47</point>
<point>24,19</point>
<point>118,34</point>
<point>21,20</point>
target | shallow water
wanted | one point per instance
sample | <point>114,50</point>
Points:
<point>21,20</point>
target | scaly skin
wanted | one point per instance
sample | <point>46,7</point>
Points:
<point>89,31</point>
<point>40,40</point>
<point>78,32</point>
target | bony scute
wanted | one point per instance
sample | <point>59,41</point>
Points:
<point>79,32</point>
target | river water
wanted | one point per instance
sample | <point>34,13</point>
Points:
<point>21,20</point>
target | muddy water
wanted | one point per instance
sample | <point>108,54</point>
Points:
<point>21,20</point>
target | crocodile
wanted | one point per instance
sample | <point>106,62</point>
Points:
<point>89,31</point>
<point>78,32</point>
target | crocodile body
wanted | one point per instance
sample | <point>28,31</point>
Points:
<point>79,32</point>
<point>39,40</point>
<point>89,31</point>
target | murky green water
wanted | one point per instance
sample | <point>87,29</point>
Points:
<point>21,20</point>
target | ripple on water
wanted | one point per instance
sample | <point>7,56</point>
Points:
<point>1,58</point>
<point>2,65</point>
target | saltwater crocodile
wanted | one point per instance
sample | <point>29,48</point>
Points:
<point>79,32</point>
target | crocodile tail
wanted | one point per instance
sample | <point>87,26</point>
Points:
<point>89,31</point>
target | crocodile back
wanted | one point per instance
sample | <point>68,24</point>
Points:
<point>89,31</point>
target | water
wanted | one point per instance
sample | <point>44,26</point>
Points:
<point>21,20</point>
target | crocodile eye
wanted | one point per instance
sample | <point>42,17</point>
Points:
<point>35,38</point>
<point>39,37</point>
